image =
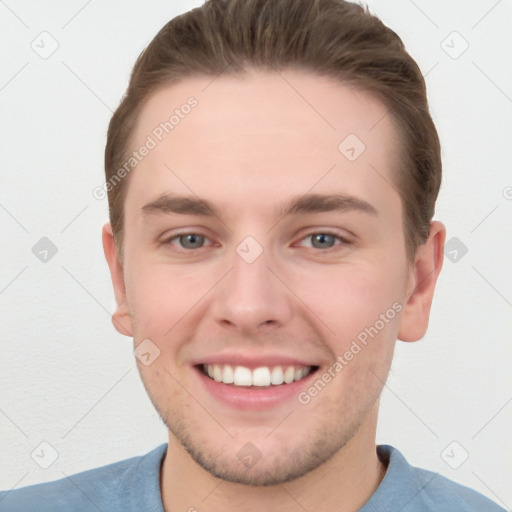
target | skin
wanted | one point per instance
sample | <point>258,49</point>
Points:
<point>252,144</point>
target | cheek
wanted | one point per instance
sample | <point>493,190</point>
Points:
<point>360,310</point>
<point>149,301</point>
<point>348,299</point>
<point>161,295</point>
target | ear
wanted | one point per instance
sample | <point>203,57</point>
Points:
<point>427,265</point>
<point>121,317</point>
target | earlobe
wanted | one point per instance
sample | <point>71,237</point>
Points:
<point>121,318</point>
<point>427,266</point>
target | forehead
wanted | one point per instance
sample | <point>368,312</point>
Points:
<point>290,131</point>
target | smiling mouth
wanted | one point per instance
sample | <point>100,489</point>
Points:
<point>257,378</point>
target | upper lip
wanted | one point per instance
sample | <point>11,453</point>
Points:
<point>253,361</point>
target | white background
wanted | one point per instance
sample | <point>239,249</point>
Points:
<point>68,378</point>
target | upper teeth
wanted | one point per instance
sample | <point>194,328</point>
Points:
<point>262,376</point>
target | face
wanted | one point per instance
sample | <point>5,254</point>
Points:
<point>259,238</point>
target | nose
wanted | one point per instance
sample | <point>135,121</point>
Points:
<point>251,297</point>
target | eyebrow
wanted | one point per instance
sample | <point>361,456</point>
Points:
<point>179,204</point>
<point>318,203</point>
<point>309,203</point>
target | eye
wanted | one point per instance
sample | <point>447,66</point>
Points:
<point>324,240</point>
<point>188,241</point>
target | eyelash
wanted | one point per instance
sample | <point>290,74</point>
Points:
<point>341,239</point>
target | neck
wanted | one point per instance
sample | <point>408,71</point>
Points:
<point>342,484</point>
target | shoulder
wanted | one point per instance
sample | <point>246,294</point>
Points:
<point>410,489</point>
<point>441,493</point>
<point>129,484</point>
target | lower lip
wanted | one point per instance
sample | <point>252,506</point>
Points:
<point>254,398</point>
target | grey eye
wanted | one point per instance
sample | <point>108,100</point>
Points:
<point>191,241</point>
<point>322,241</point>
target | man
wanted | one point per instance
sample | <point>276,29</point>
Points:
<point>272,174</point>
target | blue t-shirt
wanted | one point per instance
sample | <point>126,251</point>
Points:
<point>134,485</point>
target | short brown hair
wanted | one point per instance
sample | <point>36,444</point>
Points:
<point>328,37</point>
